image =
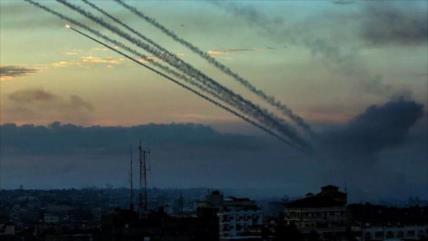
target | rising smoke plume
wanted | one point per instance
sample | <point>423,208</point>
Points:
<point>41,105</point>
<point>377,128</point>
<point>391,23</point>
<point>372,153</point>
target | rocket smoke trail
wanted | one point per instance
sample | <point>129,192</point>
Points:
<point>144,57</point>
<point>267,130</point>
<point>247,111</point>
<point>270,99</point>
<point>187,88</point>
<point>150,41</point>
<point>258,113</point>
<point>119,44</point>
<point>165,51</point>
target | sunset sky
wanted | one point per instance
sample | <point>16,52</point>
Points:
<point>326,60</point>
<point>322,58</point>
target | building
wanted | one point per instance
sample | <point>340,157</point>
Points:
<point>323,213</point>
<point>50,218</point>
<point>239,219</point>
<point>156,225</point>
<point>7,229</point>
<point>396,233</point>
<point>210,207</point>
<point>377,222</point>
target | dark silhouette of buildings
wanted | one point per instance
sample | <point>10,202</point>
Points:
<point>87,215</point>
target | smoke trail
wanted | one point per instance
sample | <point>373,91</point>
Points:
<point>150,41</point>
<point>165,51</point>
<point>144,57</point>
<point>258,113</point>
<point>190,89</point>
<point>119,44</point>
<point>254,110</point>
<point>270,99</point>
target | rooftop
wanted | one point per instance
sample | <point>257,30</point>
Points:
<point>330,196</point>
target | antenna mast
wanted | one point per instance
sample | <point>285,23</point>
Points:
<point>131,181</point>
<point>143,178</point>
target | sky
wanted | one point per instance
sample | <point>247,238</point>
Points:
<point>356,71</point>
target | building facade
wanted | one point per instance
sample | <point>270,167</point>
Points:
<point>7,229</point>
<point>238,218</point>
<point>396,233</point>
<point>323,213</point>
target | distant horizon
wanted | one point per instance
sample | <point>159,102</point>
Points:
<point>245,193</point>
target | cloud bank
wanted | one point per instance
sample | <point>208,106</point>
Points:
<point>395,24</point>
<point>337,41</point>
<point>42,105</point>
<point>378,144</point>
<point>12,71</point>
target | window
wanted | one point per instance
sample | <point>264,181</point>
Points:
<point>368,236</point>
<point>379,234</point>
<point>226,227</point>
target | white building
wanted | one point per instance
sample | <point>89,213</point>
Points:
<point>50,218</point>
<point>7,229</point>
<point>239,219</point>
<point>393,233</point>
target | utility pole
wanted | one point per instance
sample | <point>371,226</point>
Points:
<point>146,203</point>
<point>1,165</point>
<point>143,177</point>
<point>0,171</point>
<point>140,162</point>
<point>131,181</point>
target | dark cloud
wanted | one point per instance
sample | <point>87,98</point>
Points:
<point>49,100</point>
<point>11,71</point>
<point>383,143</point>
<point>344,2</point>
<point>378,147</point>
<point>76,102</point>
<point>181,155</point>
<point>332,48</point>
<point>217,52</point>
<point>39,104</point>
<point>74,139</point>
<point>392,23</point>
<point>376,129</point>
<point>29,96</point>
